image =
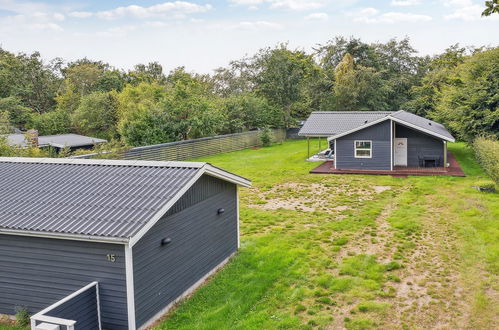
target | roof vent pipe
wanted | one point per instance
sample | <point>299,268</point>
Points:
<point>32,138</point>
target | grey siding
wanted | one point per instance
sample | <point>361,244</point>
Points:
<point>200,240</point>
<point>419,144</point>
<point>37,272</point>
<point>379,134</point>
<point>82,309</point>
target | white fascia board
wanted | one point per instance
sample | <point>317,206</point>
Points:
<point>72,237</point>
<point>377,121</point>
<point>130,288</point>
<point>227,176</point>
<point>419,128</point>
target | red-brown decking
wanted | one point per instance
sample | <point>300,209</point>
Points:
<point>399,171</point>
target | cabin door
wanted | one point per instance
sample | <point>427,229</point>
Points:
<point>400,151</point>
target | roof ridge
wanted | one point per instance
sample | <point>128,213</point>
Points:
<point>103,162</point>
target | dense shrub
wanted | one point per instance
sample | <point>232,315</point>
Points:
<point>266,137</point>
<point>487,154</point>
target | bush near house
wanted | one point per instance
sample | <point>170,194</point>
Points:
<point>487,154</point>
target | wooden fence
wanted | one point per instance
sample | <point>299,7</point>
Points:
<point>188,149</point>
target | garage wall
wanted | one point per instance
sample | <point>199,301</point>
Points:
<point>37,272</point>
<point>200,240</point>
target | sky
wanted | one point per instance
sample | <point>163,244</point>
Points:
<point>204,35</point>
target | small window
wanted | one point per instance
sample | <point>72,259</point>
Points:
<point>363,149</point>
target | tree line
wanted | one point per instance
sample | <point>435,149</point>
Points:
<point>276,87</point>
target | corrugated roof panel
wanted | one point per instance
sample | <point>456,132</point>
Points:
<point>330,123</point>
<point>86,199</point>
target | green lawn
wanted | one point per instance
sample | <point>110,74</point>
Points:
<point>352,251</point>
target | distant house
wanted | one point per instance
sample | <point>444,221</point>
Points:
<point>113,244</point>
<point>363,140</point>
<point>59,141</point>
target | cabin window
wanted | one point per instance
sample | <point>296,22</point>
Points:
<point>363,149</point>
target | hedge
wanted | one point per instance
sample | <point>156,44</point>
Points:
<point>487,154</point>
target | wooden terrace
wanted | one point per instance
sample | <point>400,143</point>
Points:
<point>398,171</point>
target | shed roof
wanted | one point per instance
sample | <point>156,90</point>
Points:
<point>329,123</point>
<point>58,141</point>
<point>341,123</point>
<point>107,199</point>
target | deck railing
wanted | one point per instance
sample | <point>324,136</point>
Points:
<point>80,309</point>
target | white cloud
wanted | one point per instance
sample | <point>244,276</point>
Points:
<point>176,9</point>
<point>257,26</point>
<point>297,5</point>
<point>465,10</point>
<point>80,14</point>
<point>35,21</point>
<point>373,15</point>
<point>317,17</point>
<point>405,2</point>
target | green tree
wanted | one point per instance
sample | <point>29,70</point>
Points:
<point>282,76</point>
<point>469,102</point>
<point>96,115</point>
<point>148,73</point>
<point>29,79</point>
<point>18,113</point>
<point>139,114</point>
<point>360,88</point>
<point>246,112</point>
<point>491,7</point>
<point>425,95</point>
<point>49,123</point>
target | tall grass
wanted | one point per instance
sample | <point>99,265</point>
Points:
<point>487,154</point>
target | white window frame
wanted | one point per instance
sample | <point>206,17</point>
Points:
<point>355,149</point>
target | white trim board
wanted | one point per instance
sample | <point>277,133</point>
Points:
<point>389,117</point>
<point>184,295</point>
<point>130,289</point>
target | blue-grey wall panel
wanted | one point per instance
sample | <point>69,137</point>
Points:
<point>200,240</point>
<point>37,272</point>
<point>419,144</point>
<point>379,134</point>
<point>82,309</point>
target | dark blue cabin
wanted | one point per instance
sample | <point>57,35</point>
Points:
<point>380,141</point>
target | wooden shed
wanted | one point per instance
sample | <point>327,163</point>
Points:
<point>91,244</point>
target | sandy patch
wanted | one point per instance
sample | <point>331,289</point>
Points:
<point>311,197</point>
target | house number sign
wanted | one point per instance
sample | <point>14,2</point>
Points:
<point>111,257</point>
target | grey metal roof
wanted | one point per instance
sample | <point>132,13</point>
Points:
<point>330,123</point>
<point>422,123</point>
<point>58,141</point>
<point>102,198</point>
<point>336,123</point>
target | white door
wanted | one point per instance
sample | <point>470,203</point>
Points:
<point>400,151</point>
